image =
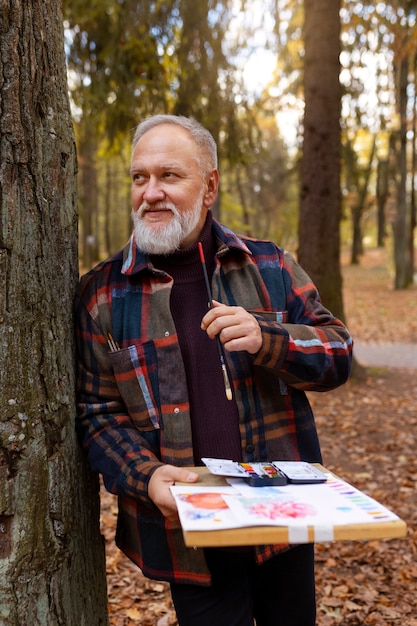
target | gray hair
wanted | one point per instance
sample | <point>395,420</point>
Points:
<point>202,137</point>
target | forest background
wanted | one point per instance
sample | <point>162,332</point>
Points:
<point>239,68</point>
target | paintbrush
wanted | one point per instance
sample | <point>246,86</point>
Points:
<point>227,386</point>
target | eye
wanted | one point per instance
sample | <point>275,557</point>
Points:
<point>137,177</point>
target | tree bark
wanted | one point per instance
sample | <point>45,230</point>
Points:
<point>413,200</point>
<point>320,202</point>
<point>381,199</point>
<point>52,569</point>
<point>87,149</point>
<point>400,222</point>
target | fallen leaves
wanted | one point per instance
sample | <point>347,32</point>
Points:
<point>368,432</point>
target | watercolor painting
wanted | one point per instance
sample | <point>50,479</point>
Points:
<point>321,506</point>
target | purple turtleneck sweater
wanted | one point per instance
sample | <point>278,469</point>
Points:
<point>214,419</point>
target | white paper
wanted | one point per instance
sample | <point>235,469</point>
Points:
<point>298,507</point>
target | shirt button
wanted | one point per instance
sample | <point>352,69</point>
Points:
<point>166,333</point>
<point>176,410</point>
<point>250,449</point>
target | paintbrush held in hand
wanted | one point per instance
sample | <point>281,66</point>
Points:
<point>227,386</point>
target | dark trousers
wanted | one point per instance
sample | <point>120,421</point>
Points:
<point>280,592</point>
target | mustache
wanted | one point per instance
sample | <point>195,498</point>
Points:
<point>157,206</point>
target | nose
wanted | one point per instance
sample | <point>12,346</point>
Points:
<point>153,191</point>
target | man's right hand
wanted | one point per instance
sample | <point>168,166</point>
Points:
<point>159,487</point>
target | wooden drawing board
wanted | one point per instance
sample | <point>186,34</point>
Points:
<point>259,535</point>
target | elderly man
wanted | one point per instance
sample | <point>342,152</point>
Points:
<point>151,395</point>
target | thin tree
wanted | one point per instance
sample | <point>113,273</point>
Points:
<point>320,205</point>
<point>51,555</point>
<point>359,179</point>
<point>399,225</point>
<point>413,200</point>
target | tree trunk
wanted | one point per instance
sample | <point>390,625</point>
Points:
<point>358,208</point>
<point>400,222</point>
<point>87,149</point>
<point>413,204</point>
<point>52,569</point>
<point>243,202</point>
<point>108,203</point>
<point>357,246</point>
<point>381,199</point>
<point>320,207</point>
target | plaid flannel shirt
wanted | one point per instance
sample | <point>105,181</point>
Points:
<point>133,410</point>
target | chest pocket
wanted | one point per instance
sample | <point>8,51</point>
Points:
<point>136,372</point>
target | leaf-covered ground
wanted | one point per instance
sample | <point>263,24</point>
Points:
<point>368,432</point>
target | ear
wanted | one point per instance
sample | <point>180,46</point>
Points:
<point>212,188</point>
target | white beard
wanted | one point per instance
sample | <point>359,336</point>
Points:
<point>165,239</point>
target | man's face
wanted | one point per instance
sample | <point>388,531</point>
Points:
<point>170,195</point>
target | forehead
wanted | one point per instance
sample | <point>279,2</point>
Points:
<point>166,141</point>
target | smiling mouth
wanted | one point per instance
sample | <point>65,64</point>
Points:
<point>156,211</point>
<point>156,215</point>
